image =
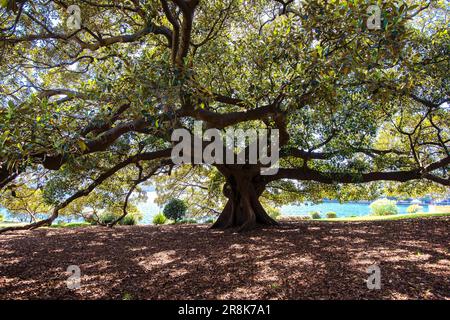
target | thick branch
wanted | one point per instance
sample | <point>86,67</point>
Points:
<point>222,120</point>
<point>308,174</point>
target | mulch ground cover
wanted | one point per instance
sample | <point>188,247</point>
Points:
<point>298,260</point>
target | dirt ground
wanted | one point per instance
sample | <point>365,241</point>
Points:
<point>299,260</point>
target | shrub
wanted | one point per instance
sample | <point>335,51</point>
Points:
<point>383,207</point>
<point>106,217</point>
<point>129,220</point>
<point>186,221</point>
<point>315,215</point>
<point>331,215</point>
<point>414,208</point>
<point>1,218</point>
<point>273,213</point>
<point>175,209</point>
<point>160,218</point>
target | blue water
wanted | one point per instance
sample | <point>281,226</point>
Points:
<point>342,209</point>
<point>149,209</point>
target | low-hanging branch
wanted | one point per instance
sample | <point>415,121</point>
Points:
<point>146,156</point>
<point>308,174</point>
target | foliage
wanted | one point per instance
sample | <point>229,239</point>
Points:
<point>274,213</point>
<point>91,219</point>
<point>108,197</point>
<point>25,201</point>
<point>175,209</point>
<point>186,221</point>
<point>331,215</point>
<point>129,220</point>
<point>160,218</point>
<point>414,208</point>
<point>418,215</point>
<point>71,225</point>
<point>200,188</point>
<point>384,207</point>
<point>107,217</point>
<point>132,218</point>
<point>1,218</point>
<point>364,113</point>
<point>315,215</point>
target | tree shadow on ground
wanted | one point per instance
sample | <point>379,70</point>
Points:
<point>298,260</point>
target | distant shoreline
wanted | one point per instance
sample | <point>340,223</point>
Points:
<point>345,209</point>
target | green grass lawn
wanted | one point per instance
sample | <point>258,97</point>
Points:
<point>5,224</point>
<point>389,217</point>
<point>70,225</point>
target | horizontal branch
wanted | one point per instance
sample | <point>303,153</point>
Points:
<point>102,126</point>
<point>103,42</point>
<point>222,120</point>
<point>304,154</point>
<point>307,174</point>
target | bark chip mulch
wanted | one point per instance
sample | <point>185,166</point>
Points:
<point>298,260</point>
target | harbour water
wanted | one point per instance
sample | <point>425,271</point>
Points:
<point>149,209</point>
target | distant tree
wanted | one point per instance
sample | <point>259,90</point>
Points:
<point>113,215</point>
<point>175,209</point>
<point>331,215</point>
<point>384,207</point>
<point>315,215</point>
<point>25,201</point>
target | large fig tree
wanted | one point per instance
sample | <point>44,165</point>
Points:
<point>90,94</point>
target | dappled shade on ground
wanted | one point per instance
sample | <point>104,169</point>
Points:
<point>298,260</point>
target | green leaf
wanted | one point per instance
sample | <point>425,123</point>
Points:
<point>82,145</point>
<point>320,51</point>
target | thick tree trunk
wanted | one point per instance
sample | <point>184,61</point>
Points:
<point>243,211</point>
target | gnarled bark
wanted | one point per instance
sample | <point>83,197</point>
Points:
<point>243,210</point>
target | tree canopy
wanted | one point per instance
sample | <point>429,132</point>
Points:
<point>359,110</point>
